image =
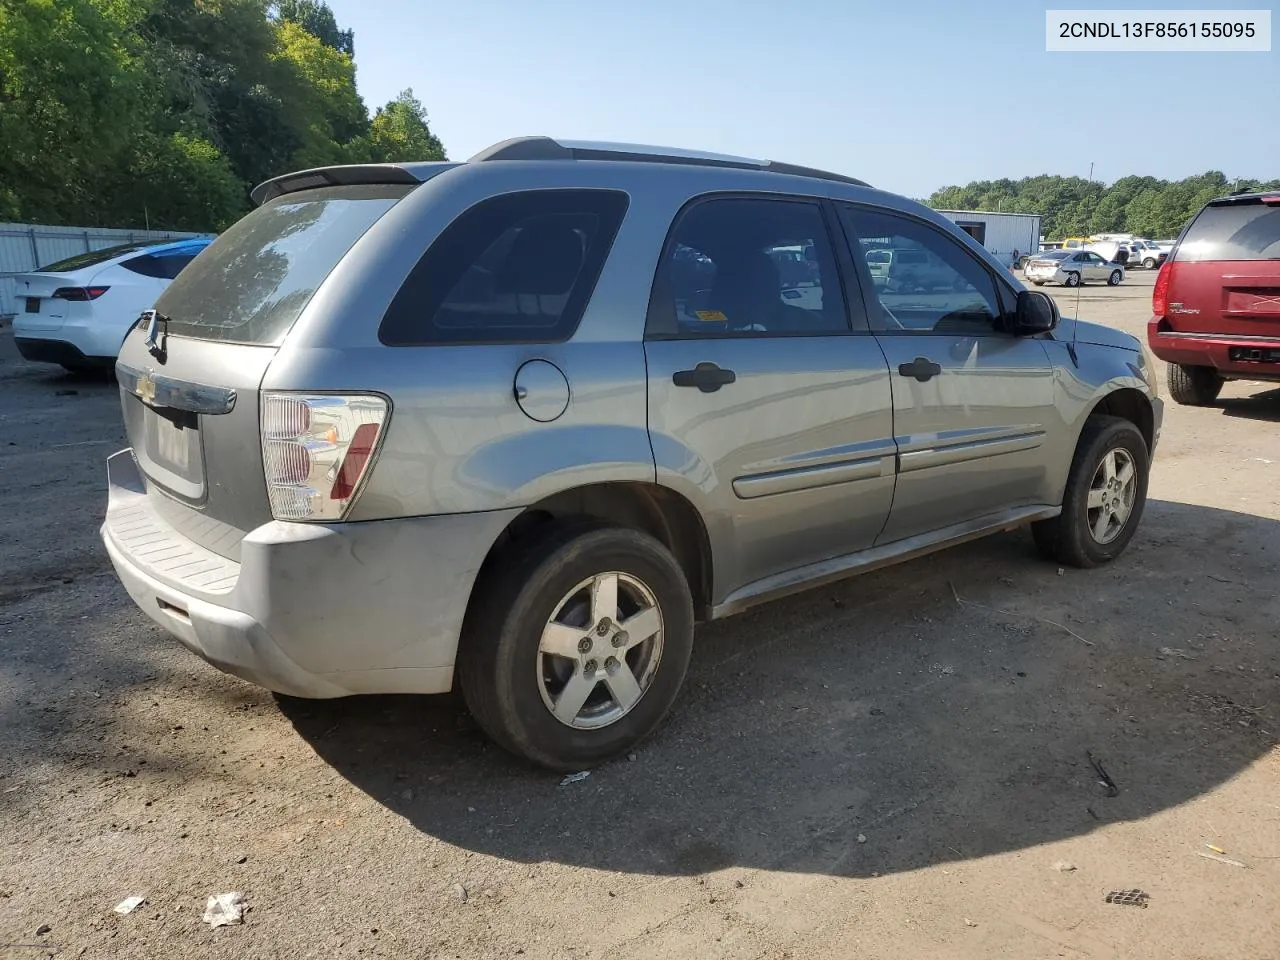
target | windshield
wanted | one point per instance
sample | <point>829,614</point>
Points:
<point>1244,230</point>
<point>252,283</point>
<point>95,257</point>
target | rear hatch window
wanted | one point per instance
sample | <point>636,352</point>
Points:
<point>254,281</point>
<point>1233,230</point>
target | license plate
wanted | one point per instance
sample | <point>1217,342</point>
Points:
<point>174,444</point>
<point>172,447</point>
<point>33,304</point>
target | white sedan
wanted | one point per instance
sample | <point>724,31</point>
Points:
<point>77,311</point>
<point>1072,268</point>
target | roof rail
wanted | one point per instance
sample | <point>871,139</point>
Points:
<point>545,148</point>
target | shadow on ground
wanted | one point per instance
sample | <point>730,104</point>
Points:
<point>1260,406</point>
<point>932,711</point>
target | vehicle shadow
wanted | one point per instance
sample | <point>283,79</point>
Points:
<point>943,710</point>
<point>1260,406</point>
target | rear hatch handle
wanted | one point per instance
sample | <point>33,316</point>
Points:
<point>157,390</point>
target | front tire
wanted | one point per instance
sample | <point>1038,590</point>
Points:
<point>1073,279</point>
<point>1115,278</point>
<point>575,647</point>
<point>1194,386</point>
<point>1104,498</point>
<point>1038,283</point>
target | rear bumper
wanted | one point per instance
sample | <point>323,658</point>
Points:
<point>310,610</point>
<point>76,340</point>
<point>39,350</point>
<point>1214,350</point>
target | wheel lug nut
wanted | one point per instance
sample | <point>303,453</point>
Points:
<point>611,664</point>
<point>620,638</point>
<point>584,645</point>
<point>590,668</point>
<point>603,626</point>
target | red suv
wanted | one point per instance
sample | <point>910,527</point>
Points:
<point>1216,303</point>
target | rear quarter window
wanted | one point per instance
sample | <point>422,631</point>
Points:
<point>517,268</point>
<point>1233,231</point>
<point>252,283</point>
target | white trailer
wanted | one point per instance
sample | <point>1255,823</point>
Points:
<point>1000,233</point>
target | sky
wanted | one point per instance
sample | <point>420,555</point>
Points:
<point>909,96</point>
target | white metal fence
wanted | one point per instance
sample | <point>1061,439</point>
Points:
<point>25,247</point>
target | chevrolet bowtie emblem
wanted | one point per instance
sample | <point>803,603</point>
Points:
<point>146,388</point>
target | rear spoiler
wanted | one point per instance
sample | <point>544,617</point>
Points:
<point>347,175</point>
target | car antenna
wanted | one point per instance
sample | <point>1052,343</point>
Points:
<point>1075,325</point>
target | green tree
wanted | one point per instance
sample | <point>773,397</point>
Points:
<point>315,17</point>
<point>319,83</point>
<point>399,132</point>
<point>67,67</point>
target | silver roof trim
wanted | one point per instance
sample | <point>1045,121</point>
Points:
<point>547,148</point>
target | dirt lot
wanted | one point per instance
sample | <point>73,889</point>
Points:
<point>893,767</point>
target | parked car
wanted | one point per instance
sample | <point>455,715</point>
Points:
<point>1216,303</point>
<point>77,311</point>
<point>918,270</point>
<point>1072,268</point>
<point>405,423</point>
<point>1148,253</point>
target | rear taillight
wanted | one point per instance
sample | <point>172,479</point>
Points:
<point>1160,295</point>
<point>317,449</point>
<point>79,293</point>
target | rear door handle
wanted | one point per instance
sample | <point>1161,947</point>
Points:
<point>707,377</point>
<point>922,368</point>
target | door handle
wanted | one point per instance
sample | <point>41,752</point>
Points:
<point>922,368</point>
<point>707,377</point>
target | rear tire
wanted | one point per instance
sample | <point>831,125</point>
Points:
<point>1194,386</point>
<point>1102,506</point>
<point>549,593</point>
<point>1073,279</point>
<point>1149,263</point>
<point>1038,283</point>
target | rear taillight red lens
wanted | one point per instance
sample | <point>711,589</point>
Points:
<point>1160,295</point>
<point>80,294</point>
<point>316,450</point>
<point>353,464</point>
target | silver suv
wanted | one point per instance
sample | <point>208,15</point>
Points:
<point>529,418</point>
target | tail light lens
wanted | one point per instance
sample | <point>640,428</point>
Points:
<point>80,293</point>
<point>1160,295</point>
<point>316,451</point>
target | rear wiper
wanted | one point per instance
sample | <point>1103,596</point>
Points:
<point>157,332</point>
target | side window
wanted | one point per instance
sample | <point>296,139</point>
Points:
<point>517,268</point>
<point>171,264</point>
<point>738,267</point>
<point>927,282</point>
<point>146,265</point>
<point>1079,258</point>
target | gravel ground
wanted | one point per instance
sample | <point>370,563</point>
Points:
<point>894,766</point>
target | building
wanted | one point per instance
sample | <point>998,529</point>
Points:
<point>1000,233</point>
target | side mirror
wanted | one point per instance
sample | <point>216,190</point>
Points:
<point>1035,312</point>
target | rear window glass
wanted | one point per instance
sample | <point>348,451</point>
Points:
<point>251,284</point>
<point>1233,231</point>
<point>95,257</point>
<point>517,268</point>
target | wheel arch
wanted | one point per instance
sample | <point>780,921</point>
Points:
<point>651,508</point>
<point>1128,403</point>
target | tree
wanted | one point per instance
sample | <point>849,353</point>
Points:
<point>66,67</point>
<point>124,112</point>
<point>176,183</point>
<point>399,132</point>
<point>319,83</point>
<point>1073,206</point>
<point>315,17</point>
